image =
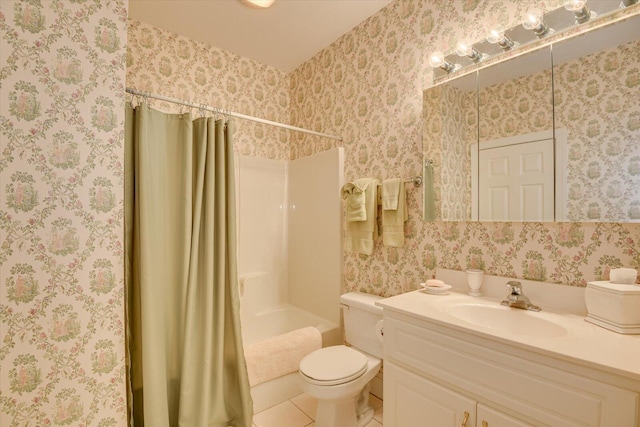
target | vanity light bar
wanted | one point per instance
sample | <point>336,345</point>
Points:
<point>535,22</point>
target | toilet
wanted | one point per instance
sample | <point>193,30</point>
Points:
<point>339,376</point>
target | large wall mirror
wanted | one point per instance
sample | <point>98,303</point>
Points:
<point>551,135</point>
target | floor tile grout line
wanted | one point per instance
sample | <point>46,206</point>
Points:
<point>303,411</point>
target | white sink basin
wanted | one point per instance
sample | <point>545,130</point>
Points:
<point>506,319</point>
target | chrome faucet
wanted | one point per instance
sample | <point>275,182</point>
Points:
<point>517,299</point>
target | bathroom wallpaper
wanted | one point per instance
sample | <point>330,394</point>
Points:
<point>450,126</point>
<point>516,107</point>
<point>368,87</point>
<point>162,62</point>
<point>62,74</point>
<point>603,146</point>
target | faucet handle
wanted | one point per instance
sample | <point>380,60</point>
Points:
<point>515,287</point>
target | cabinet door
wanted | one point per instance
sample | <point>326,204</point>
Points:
<point>489,417</point>
<point>412,401</point>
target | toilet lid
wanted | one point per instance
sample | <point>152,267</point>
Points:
<point>333,365</point>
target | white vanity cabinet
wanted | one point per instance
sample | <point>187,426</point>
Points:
<point>435,374</point>
<point>420,402</point>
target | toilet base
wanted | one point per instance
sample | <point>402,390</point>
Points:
<point>350,412</point>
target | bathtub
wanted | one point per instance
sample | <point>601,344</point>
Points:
<point>276,321</point>
<point>282,319</point>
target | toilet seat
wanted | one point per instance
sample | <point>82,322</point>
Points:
<point>334,365</point>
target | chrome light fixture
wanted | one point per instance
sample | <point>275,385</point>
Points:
<point>498,37</point>
<point>436,60</point>
<point>259,4</point>
<point>535,21</point>
<point>579,9</point>
<point>466,49</point>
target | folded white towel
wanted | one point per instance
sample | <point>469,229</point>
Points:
<point>359,235</point>
<point>355,198</point>
<point>393,221</point>
<point>390,193</point>
<point>280,355</point>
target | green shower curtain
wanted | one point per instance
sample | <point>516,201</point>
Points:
<point>187,365</point>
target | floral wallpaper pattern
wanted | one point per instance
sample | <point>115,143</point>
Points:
<point>162,62</point>
<point>515,107</point>
<point>368,88</point>
<point>603,173</point>
<point>61,272</point>
<point>450,126</point>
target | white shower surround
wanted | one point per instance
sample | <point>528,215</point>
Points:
<point>289,253</point>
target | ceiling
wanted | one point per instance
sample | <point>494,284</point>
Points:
<point>284,36</point>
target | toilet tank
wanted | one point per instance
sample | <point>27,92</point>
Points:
<point>363,322</point>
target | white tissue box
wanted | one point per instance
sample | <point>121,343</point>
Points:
<point>613,306</point>
<point>623,276</point>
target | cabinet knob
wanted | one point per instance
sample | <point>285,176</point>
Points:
<point>465,419</point>
<point>485,424</point>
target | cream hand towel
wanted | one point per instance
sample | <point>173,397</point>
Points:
<point>354,196</point>
<point>429,200</point>
<point>280,355</point>
<point>393,221</point>
<point>390,193</point>
<point>359,235</point>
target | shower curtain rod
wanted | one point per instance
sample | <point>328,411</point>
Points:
<point>228,113</point>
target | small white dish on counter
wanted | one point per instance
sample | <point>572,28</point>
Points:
<point>436,290</point>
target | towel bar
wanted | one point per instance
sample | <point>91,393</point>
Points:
<point>417,181</point>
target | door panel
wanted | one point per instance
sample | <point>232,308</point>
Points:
<point>516,182</point>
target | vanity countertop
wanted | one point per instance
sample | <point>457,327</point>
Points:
<point>569,336</point>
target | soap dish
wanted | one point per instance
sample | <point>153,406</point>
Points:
<point>436,290</point>
<point>613,306</point>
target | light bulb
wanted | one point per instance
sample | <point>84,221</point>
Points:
<point>499,37</point>
<point>436,59</point>
<point>465,49</point>
<point>574,5</point>
<point>495,36</point>
<point>534,21</point>
<point>579,9</point>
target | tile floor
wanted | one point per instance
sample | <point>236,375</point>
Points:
<point>301,412</point>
